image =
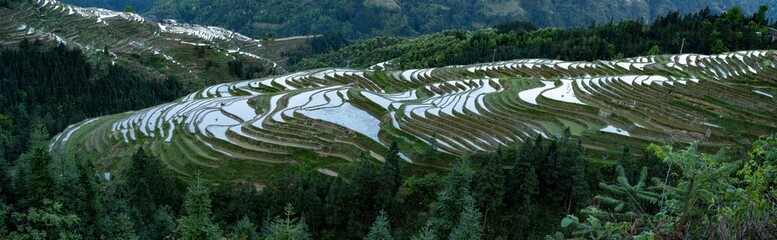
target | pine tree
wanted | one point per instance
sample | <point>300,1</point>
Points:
<point>380,230</point>
<point>149,187</point>
<point>366,197</point>
<point>6,182</point>
<point>245,230</point>
<point>120,227</point>
<point>47,221</point>
<point>468,227</point>
<point>427,233</point>
<point>90,210</point>
<point>287,228</point>
<point>196,223</point>
<point>529,184</point>
<point>490,185</point>
<point>451,200</point>
<point>41,180</point>
<point>337,202</point>
<point>390,179</point>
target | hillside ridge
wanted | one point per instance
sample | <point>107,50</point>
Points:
<point>243,130</point>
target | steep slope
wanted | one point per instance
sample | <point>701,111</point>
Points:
<point>247,130</point>
<point>358,19</point>
<point>197,54</point>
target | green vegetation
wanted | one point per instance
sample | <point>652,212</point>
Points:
<point>501,150</point>
<point>372,18</point>
<point>196,55</point>
<point>542,181</point>
<point>57,86</point>
<point>704,33</point>
<point>731,198</point>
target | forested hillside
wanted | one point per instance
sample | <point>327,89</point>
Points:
<point>363,19</point>
<point>703,32</point>
<point>512,132</point>
<point>522,192</point>
<point>56,86</point>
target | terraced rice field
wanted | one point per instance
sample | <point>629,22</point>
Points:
<point>167,47</point>
<point>248,128</point>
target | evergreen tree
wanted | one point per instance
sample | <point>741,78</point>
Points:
<point>46,221</point>
<point>164,224</point>
<point>6,182</point>
<point>120,227</point>
<point>367,198</point>
<point>245,230</point>
<point>452,199</point>
<point>90,209</point>
<point>196,222</point>
<point>490,185</point>
<point>529,184</point>
<point>337,201</point>
<point>427,233</point>
<point>287,228</point>
<point>41,180</point>
<point>380,229</point>
<point>390,181</point>
<point>468,227</point>
<point>149,187</point>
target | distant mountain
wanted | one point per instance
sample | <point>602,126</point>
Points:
<point>137,5</point>
<point>359,19</point>
<point>199,55</point>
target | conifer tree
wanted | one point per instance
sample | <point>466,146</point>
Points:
<point>164,224</point>
<point>451,200</point>
<point>381,229</point>
<point>339,197</point>
<point>287,228</point>
<point>41,180</point>
<point>245,230</point>
<point>196,222</point>
<point>120,226</point>
<point>90,210</point>
<point>6,182</point>
<point>390,179</point>
<point>490,185</point>
<point>468,227</point>
<point>427,233</point>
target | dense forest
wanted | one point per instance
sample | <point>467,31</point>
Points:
<point>119,5</point>
<point>541,188</point>
<point>57,86</point>
<point>372,18</point>
<point>522,192</point>
<point>703,32</point>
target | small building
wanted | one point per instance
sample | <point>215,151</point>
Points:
<point>773,33</point>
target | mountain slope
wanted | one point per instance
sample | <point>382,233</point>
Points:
<point>359,19</point>
<point>199,55</point>
<point>246,131</point>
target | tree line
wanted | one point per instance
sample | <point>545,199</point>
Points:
<point>703,32</point>
<point>522,192</point>
<point>58,86</point>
